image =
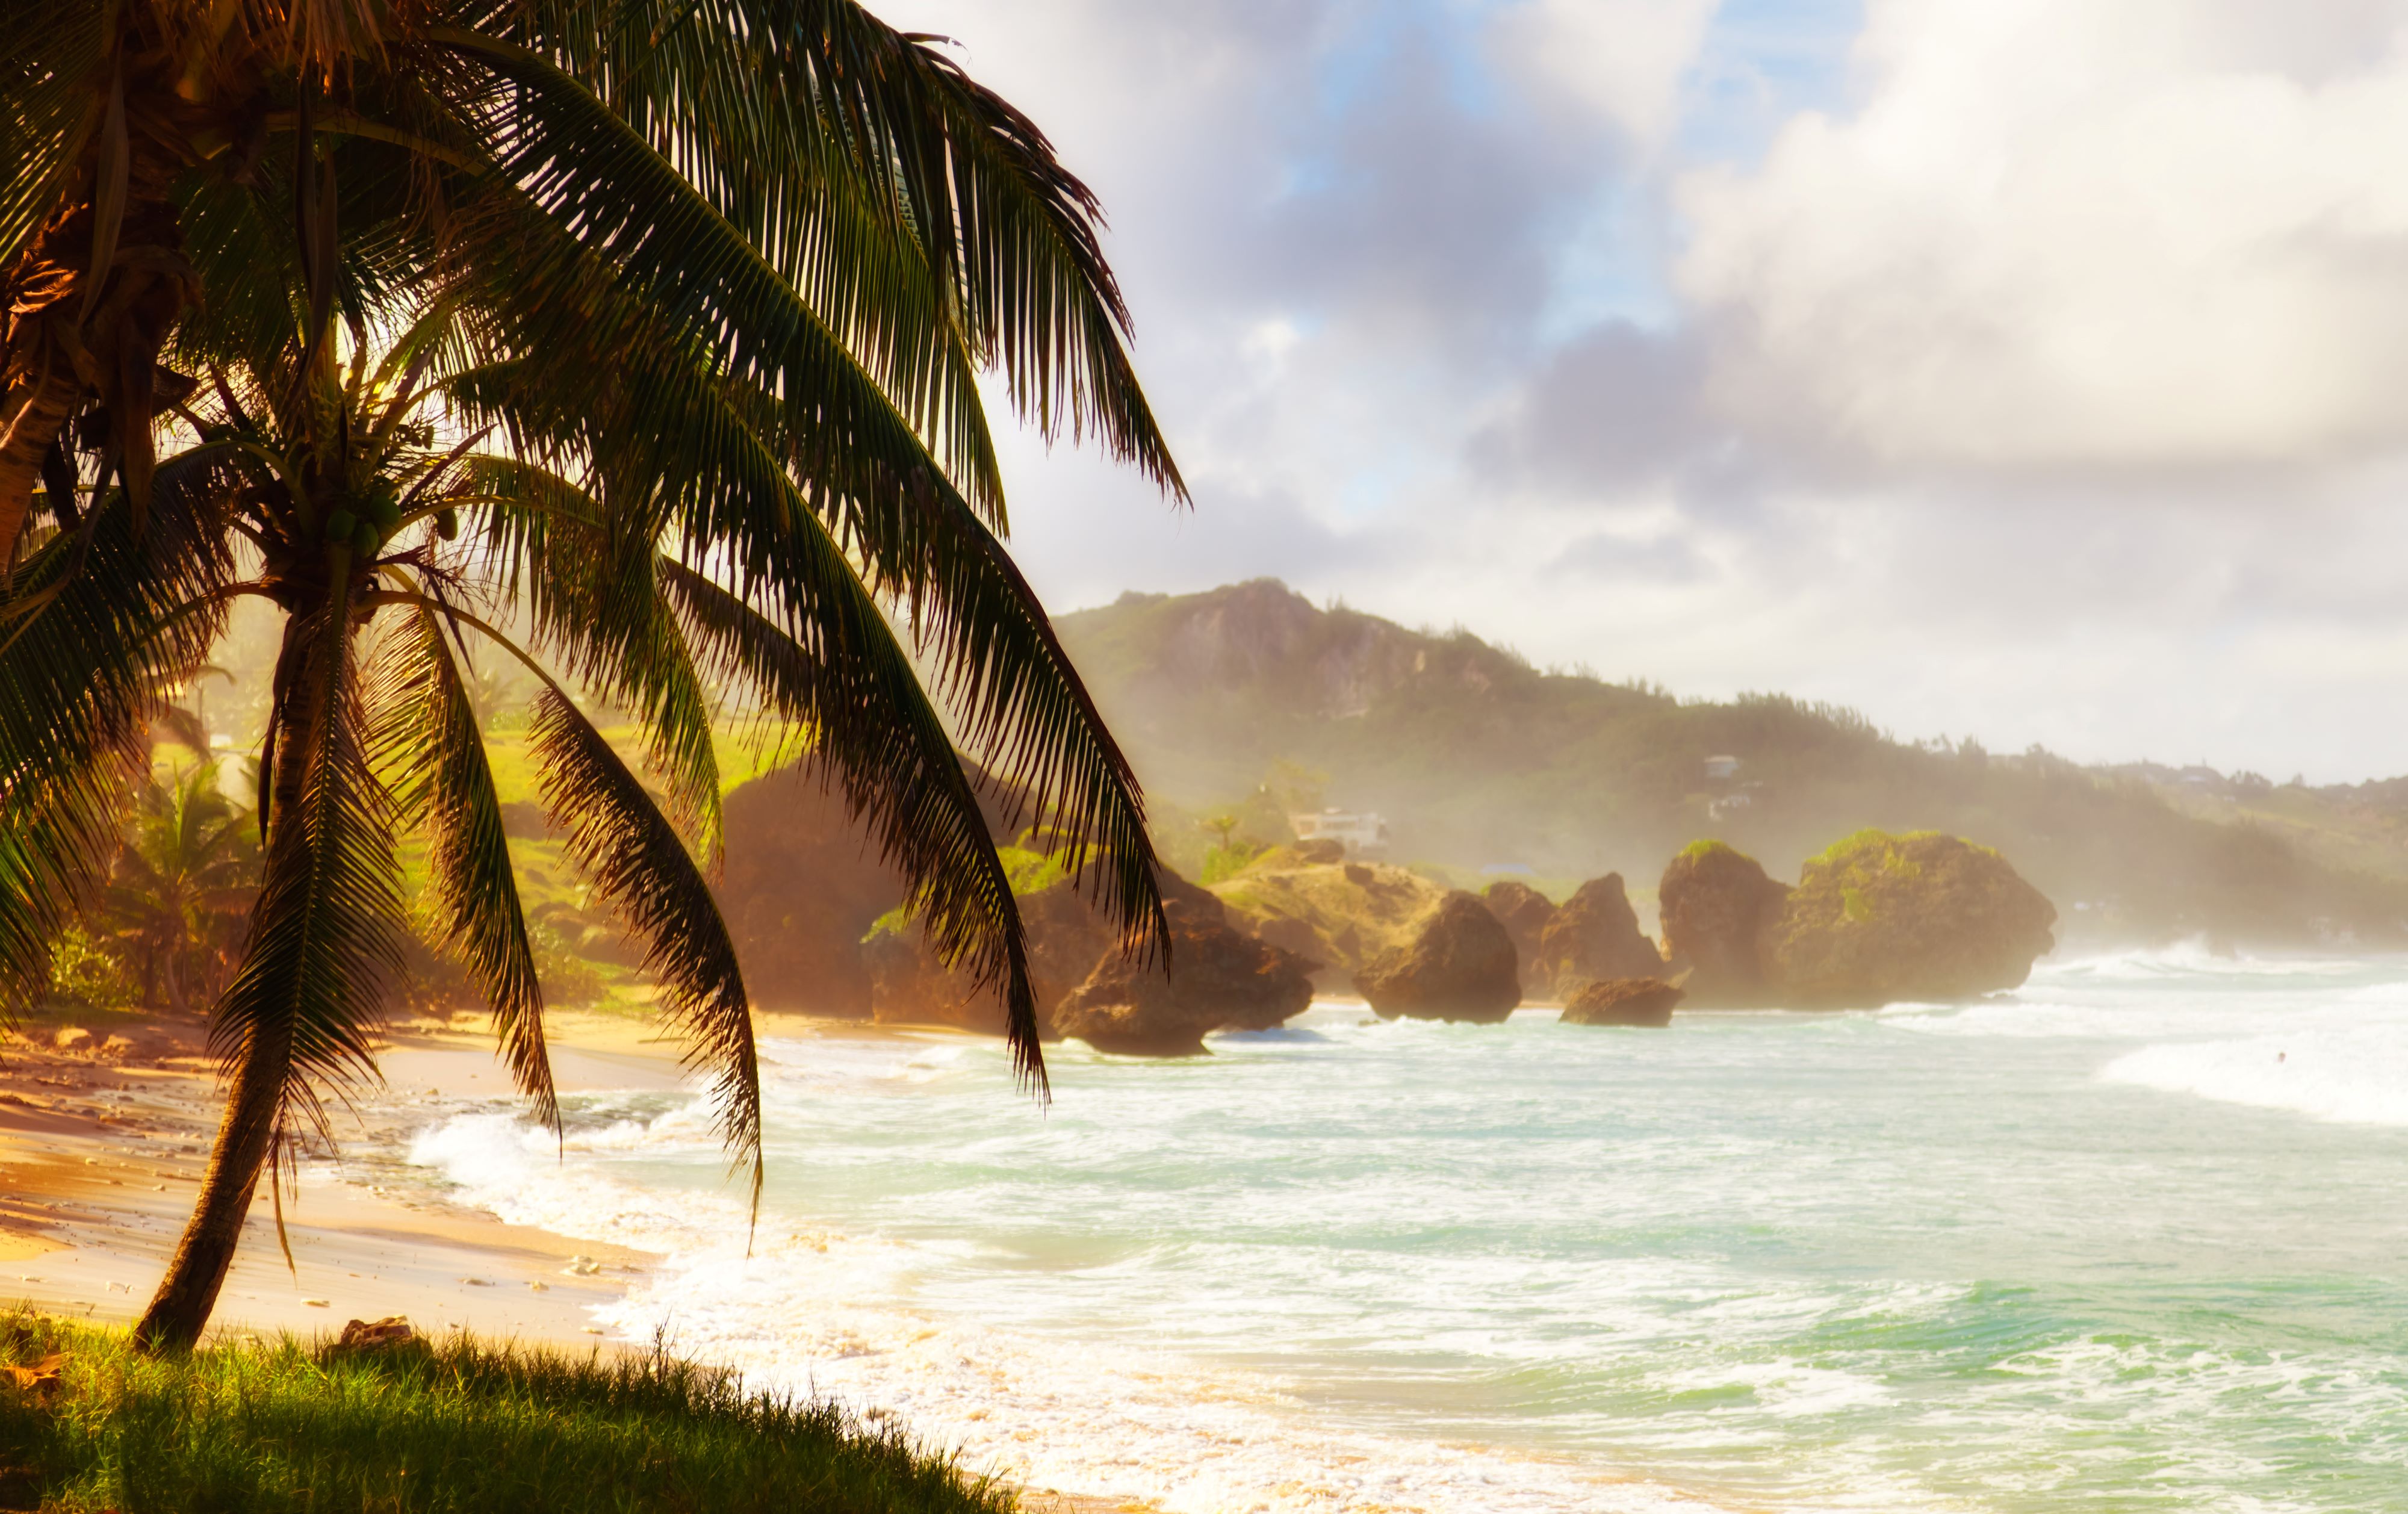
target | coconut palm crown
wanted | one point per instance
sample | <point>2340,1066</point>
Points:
<point>638,339</point>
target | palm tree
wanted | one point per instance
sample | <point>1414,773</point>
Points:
<point>806,195</point>
<point>638,338</point>
<point>181,885</point>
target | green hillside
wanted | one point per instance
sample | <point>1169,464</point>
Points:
<point>1248,701</point>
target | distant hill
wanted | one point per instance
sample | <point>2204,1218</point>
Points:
<point>1248,701</point>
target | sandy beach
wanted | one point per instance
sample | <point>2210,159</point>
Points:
<point>104,1135</point>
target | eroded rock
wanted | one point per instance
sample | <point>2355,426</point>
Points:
<point>1622,1001</point>
<point>1217,978</point>
<point>1881,918</point>
<point>1595,937</point>
<point>1715,902</point>
<point>1524,911</point>
<point>1461,966</point>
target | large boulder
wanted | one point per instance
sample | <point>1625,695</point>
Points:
<point>1216,979</point>
<point>1622,1001</point>
<point>1067,936</point>
<point>1524,911</point>
<point>800,885</point>
<point>910,987</point>
<point>1460,967</point>
<point>1881,918</point>
<point>1347,915</point>
<point>1715,902</point>
<point>1595,937</point>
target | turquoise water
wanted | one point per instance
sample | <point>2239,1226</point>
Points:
<point>2128,1239</point>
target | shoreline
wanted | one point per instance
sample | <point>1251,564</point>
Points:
<point>102,1148</point>
<point>104,1136</point>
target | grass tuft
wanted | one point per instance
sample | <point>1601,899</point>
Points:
<point>457,1428</point>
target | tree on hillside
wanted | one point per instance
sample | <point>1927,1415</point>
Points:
<point>180,886</point>
<point>646,330</point>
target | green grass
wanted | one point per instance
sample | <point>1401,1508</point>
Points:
<point>456,1428</point>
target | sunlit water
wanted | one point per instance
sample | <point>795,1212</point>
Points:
<point>2134,1238</point>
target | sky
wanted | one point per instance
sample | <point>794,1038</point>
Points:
<point>2027,370</point>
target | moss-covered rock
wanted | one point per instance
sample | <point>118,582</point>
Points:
<point>1881,918</point>
<point>1460,967</point>
<point>1715,902</point>
<point>1344,914</point>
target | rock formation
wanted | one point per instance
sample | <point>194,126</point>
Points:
<point>1460,967</point>
<point>1715,902</point>
<point>1524,911</point>
<point>910,987</point>
<point>1216,979</point>
<point>1594,935</point>
<point>800,885</point>
<point>1883,918</point>
<point>1344,914</point>
<point>1622,1001</point>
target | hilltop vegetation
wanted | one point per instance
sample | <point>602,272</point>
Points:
<point>1244,703</point>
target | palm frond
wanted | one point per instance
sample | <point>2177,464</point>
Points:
<point>826,135</point>
<point>634,859</point>
<point>868,727</point>
<point>100,621</point>
<point>678,265</point>
<point>426,734</point>
<point>1014,233</point>
<point>717,452</point>
<point>325,937</point>
<point>586,574</point>
<point>46,59</point>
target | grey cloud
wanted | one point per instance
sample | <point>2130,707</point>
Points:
<point>1616,405</point>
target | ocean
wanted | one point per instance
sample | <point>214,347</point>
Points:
<point>2131,1239</point>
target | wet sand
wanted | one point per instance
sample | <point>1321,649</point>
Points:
<point>104,1136</point>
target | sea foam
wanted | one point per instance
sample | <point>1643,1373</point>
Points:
<point>810,1312</point>
<point>2347,1074</point>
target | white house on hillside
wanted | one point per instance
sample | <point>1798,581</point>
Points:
<point>1361,834</point>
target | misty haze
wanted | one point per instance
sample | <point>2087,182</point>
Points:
<point>1259,757</point>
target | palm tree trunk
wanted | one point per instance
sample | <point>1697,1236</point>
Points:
<point>247,1135</point>
<point>189,1294</point>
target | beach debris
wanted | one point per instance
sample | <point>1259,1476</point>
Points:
<point>368,1334</point>
<point>477,1282</point>
<point>593,1330</point>
<point>41,1379</point>
<point>70,1036</point>
<point>539,1286</point>
<point>319,1302</point>
<point>580,1266</point>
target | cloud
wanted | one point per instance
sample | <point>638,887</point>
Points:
<point>1618,405</point>
<point>2031,376</point>
<point>2060,233</point>
<point>1620,60</point>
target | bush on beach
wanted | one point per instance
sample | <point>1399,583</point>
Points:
<point>454,1426</point>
